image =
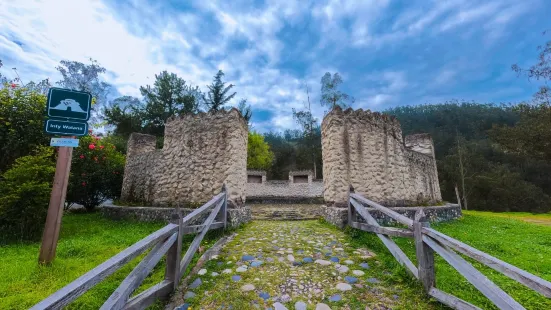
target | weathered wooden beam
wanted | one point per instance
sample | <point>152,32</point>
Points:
<point>197,212</point>
<point>197,240</point>
<point>393,214</point>
<point>81,285</point>
<point>173,256</point>
<point>538,284</point>
<point>501,299</point>
<point>146,298</point>
<point>118,299</point>
<point>197,228</point>
<point>424,254</point>
<point>398,254</point>
<point>451,301</point>
<point>224,210</point>
<point>389,231</point>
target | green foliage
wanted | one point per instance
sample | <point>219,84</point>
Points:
<point>259,155</point>
<point>126,116</point>
<point>331,96</point>
<point>24,196</point>
<point>493,174</point>
<point>96,172</point>
<point>169,96</point>
<point>217,96</point>
<point>21,123</point>
<point>531,136</point>
<point>293,150</point>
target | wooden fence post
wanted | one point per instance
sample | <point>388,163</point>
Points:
<point>425,255</point>
<point>172,272</point>
<point>224,208</point>
<point>351,210</point>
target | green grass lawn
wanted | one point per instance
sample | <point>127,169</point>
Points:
<point>86,241</point>
<point>506,236</point>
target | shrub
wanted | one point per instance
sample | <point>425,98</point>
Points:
<point>24,196</point>
<point>96,172</point>
<point>21,123</point>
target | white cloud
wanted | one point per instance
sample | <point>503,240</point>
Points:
<point>141,38</point>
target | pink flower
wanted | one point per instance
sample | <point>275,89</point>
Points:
<point>101,147</point>
<point>83,183</point>
<point>91,146</point>
<point>81,156</point>
<point>13,85</point>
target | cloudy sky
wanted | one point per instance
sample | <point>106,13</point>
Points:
<point>389,52</point>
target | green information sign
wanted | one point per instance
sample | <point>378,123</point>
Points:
<point>66,128</point>
<point>68,104</point>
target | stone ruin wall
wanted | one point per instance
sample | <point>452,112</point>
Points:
<point>366,150</point>
<point>200,153</point>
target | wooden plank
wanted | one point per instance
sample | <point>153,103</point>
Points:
<point>424,254</point>
<point>398,254</point>
<point>224,218</point>
<point>197,240</point>
<point>118,299</point>
<point>197,212</point>
<point>146,298</point>
<point>197,228</point>
<point>81,285</point>
<point>451,301</point>
<point>389,231</point>
<point>173,256</point>
<point>501,299</point>
<point>538,284</point>
<point>393,214</point>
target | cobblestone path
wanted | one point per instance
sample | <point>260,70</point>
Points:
<point>296,265</point>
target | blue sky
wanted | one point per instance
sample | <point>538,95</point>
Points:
<point>389,53</point>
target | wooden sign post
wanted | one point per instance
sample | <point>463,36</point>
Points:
<point>67,114</point>
<point>57,202</point>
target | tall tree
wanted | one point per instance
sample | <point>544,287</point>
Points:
<point>217,96</point>
<point>331,96</point>
<point>126,115</point>
<point>169,96</point>
<point>245,111</point>
<point>259,155</point>
<point>541,71</point>
<point>84,77</point>
<point>531,136</point>
<point>309,125</point>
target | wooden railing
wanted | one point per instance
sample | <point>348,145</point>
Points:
<point>167,240</point>
<point>428,241</point>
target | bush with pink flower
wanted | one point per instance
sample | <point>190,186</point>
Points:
<point>96,172</point>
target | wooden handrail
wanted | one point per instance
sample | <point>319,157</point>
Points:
<point>393,214</point>
<point>118,299</point>
<point>475,277</point>
<point>400,256</point>
<point>166,240</point>
<point>81,285</point>
<point>538,284</point>
<point>197,240</point>
<point>428,240</point>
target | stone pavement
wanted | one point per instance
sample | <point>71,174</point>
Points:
<point>296,265</point>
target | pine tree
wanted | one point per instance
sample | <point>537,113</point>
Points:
<point>217,95</point>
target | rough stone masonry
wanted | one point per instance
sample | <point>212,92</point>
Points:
<point>200,153</point>
<point>366,150</point>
